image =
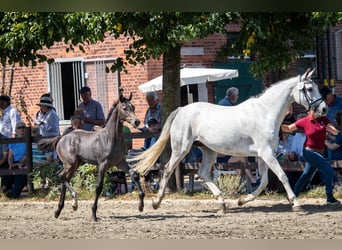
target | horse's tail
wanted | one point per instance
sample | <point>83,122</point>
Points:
<point>48,143</point>
<point>146,160</point>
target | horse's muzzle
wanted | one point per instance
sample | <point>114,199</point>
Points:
<point>136,123</point>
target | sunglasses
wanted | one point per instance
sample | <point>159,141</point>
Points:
<point>22,127</point>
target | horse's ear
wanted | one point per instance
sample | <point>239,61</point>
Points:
<point>121,98</point>
<point>310,73</point>
<point>130,97</point>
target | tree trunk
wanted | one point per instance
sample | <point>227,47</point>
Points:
<point>171,98</point>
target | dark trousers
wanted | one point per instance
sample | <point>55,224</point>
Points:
<point>13,183</point>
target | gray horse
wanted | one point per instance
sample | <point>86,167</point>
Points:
<point>104,148</point>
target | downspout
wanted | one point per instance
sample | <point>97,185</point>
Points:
<point>331,80</point>
<point>325,81</point>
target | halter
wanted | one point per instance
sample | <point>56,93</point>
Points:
<point>312,103</point>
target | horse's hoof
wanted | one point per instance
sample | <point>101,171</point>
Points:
<point>297,209</point>
<point>57,213</point>
<point>155,205</point>
<point>74,205</point>
<point>141,208</point>
<point>241,202</point>
<point>223,207</point>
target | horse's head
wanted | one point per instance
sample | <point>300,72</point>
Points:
<point>127,111</point>
<point>308,94</point>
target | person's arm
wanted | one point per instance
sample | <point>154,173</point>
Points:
<point>289,128</point>
<point>332,145</point>
<point>332,129</point>
<point>10,158</point>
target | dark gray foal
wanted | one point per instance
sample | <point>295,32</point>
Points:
<point>104,148</point>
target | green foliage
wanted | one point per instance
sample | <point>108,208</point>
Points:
<point>277,39</point>
<point>154,34</point>
<point>45,174</point>
<point>231,185</point>
<point>85,179</point>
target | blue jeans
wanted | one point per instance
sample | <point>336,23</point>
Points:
<point>315,161</point>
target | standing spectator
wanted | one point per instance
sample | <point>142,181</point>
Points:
<point>232,95</point>
<point>10,117</point>
<point>154,111</point>
<point>3,164</point>
<point>315,129</point>
<point>90,110</point>
<point>333,101</point>
<point>17,159</point>
<point>47,118</point>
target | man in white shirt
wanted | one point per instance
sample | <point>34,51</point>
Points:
<point>10,117</point>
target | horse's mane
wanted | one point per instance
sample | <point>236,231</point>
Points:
<point>115,103</point>
<point>271,88</point>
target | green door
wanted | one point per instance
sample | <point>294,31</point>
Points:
<point>248,86</point>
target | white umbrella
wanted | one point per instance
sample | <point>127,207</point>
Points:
<point>192,76</point>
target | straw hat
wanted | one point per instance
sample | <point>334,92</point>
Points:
<point>45,101</point>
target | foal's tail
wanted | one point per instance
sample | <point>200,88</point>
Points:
<point>48,143</point>
<point>147,159</point>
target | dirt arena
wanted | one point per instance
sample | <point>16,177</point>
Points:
<point>175,219</point>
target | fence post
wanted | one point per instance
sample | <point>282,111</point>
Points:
<point>28,142</point>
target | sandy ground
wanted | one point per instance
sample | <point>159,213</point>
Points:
<point>175,219</point>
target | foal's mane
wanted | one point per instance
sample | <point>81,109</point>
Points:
<point>115,103</point>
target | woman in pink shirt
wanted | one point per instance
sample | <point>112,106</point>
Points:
<point>315,129</point>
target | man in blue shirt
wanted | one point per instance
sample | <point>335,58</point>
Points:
<point>231,97</point>
<point>91,111</point>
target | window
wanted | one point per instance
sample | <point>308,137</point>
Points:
<point>67,76</point>
<point>65,80</point>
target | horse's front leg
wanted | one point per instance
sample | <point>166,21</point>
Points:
<point>273,164</point>
<point>98,190</point>
<point>263,171</point>
<point>135,177</point>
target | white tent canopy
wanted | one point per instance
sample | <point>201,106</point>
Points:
<point>192,76</point>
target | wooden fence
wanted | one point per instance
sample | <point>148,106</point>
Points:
<point>185,169</point>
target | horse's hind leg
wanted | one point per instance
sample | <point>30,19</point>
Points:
<point>61,200</point>
<point>168,170</point>
<point>135,177</point>
<point>263,171</point>
<point>73,194</point>
<point>208,159</point>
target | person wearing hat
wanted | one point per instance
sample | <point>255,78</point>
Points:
<point>90,110</point>
<point>333,101</point>
<point>10,117</point>
<point>47,118</point>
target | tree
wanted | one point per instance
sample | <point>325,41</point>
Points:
<point>157,35</point>
<point>275,40</point>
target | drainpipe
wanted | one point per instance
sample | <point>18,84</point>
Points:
<point>325,81</point>
<point>331,80</point>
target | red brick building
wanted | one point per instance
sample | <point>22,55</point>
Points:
<point>74,69</point>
